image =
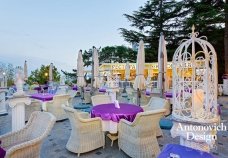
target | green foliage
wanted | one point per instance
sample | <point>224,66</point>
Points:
<point>120,54</point>
<point>39,75</point>
<point>10,74</point>
<point>87,58</point>
<point>208,17</point>
<point>70,77</point>
<point>152,19</point>
<point>175,19</point>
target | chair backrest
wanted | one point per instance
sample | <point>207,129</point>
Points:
<point>73,117</point>
<point>39,125</point>
<point>72,93</point>
<point>159,103</point>
<point>61,99</point>
<point>146,122</point>
<point>101,99</point>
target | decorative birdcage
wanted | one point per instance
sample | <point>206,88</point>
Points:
<point>195,93</point>
<point>195,81</point>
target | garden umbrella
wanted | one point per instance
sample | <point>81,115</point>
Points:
<point>96,82</point>
<point>80,70</point>
<point>127,71</point>
<point>139,83</point>
<point>50,72</point>
<point>162,66</point>
<point>25,71</point>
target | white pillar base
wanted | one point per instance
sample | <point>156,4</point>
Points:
<point>18,111</point>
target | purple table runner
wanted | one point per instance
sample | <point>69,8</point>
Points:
<point>42,96</point>
<point>183,152</point>
<point>110,112</point>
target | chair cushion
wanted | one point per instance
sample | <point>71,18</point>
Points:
<point>81,106</point>
<point>166,124</point>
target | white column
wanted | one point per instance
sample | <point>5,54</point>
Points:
<point>18,111</point>
<point>3,109</point>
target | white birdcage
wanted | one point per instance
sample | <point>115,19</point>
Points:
<point>195,92</point>
<point>195,81</point>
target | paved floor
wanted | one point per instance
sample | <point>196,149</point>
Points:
<point>54,144</point>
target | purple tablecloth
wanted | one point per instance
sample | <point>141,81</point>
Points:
<point>168,94</point>
<point>42,96</point>
<point>75,88</point>
<point>102,90</point>
<point>110,112</point>
<point>183,151</point>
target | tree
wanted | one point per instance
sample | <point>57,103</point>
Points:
<point>226,37</point>
<point>70,76</point>
<point>120,54</point>
<point>10,71</point>
<point>110,54</point>
<point>150,20</point>
<point>41,75</point>
<point>208,16</point>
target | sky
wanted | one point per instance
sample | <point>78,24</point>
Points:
<point>45,31</point>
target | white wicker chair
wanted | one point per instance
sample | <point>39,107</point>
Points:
<point>72,94</point>
<point>29,109</point>
<point>86,134</point>
<point>138,138</point>
<point>55,106</point>
<point>101,99</point>
<point>26,143</point>
<point>157,103</point>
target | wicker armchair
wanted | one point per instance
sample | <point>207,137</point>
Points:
<point>86,134</point>
<point>55,106</point>
<point>29,109</point>
<point>26,143</point>
<point>101,99</point>
<point>138,138</point>
<point>158,103</point>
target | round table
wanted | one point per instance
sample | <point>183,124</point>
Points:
<point>111,115</point>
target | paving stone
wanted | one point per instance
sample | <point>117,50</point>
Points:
<point>57,150</point>
<point>54,146</point>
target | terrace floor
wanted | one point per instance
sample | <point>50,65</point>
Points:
<point>54,144</point>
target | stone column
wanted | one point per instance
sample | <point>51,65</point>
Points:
<point>18,111</point>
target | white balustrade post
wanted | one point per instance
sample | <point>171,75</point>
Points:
<point>18,111</point>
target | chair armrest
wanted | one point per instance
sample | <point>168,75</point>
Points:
<point>24,148</point>
<point>125,122</point>
<point>13,138</point>
<point>96,119</point>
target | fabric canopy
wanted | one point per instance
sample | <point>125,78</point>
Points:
<point>127,71</point>
<point>80,70</point>
<point>96,83</point>
<point>25,71</point>
<point>140,64</point>
<point>162,65</point>
<point>50,72</point>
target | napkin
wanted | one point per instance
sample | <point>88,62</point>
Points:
<point>117,105</point>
